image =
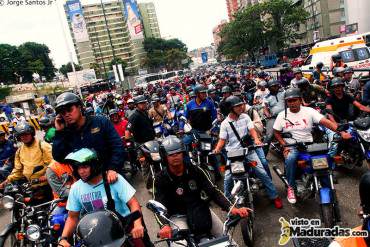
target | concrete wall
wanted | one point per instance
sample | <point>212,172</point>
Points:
<point>357,11</point>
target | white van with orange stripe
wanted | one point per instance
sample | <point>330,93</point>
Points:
<point>353,50</point>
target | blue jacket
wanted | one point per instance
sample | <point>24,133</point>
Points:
<point>99,134</point>
<point>201,116</point>
<point>7,150</point>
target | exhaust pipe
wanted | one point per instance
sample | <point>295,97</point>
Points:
<point>280,175</point>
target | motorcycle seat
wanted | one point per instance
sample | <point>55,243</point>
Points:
<point>362,123</point>
<point>317,147</point>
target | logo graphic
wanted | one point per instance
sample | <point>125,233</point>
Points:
<point>285,231</point>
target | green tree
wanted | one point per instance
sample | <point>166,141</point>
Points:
<point>9,63</point>
<point>32,55</point>
<point>118,60</point>
<point>66,68</point>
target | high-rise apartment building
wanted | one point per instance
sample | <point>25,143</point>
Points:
<point>150,22</point>
<point>100,33</point>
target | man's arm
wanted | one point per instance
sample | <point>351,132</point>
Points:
<point>330,116</point>
<point>361,106</point>
<point>138,229</point>
<point>69,227</point>
<point>61,145</point>
<point>56,184</point>
<point>17,172</point>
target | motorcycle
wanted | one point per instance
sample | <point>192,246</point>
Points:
<point>130,164</point>
<point>352,152</point>
<point>315,179</point>
<point>152,159</point>
<point>182,234</point>
<point>30,225</point>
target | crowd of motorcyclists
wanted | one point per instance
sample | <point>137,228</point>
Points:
<point>87,141</point>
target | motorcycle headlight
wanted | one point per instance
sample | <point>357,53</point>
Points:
<point>155,156</point>
<point>8,202</point>
<point>33,232</point>
<point>206,146</point>
<point>364,134</point>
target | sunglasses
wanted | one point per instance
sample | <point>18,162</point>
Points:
<point>65,109</point>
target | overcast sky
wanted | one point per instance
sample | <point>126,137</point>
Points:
<point>189,20</point>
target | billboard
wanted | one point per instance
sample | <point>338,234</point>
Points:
<point>82,77</point>
<point>77,20</point>
<point>133,19</point>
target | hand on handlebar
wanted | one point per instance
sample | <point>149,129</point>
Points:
<point>64,243</point>
<point>242,212</point>
<point>42,179</point>
<point>165,232</point>
<point>3,184</point>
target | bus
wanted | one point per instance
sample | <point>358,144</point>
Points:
<point>142,81</point>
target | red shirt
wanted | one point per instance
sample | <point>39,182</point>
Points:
<point>121,127</point>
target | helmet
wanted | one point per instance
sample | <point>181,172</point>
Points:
<point>89,111</point>
<point>155,98</point>
<point>364,192</point>
<point>101,228</point>
<point>348,70</point>
<point>67,99</point>
<point>211,91</point>
<point>336,81</point>
<point>24,128</point>
<point>338,70</point>
<point>140,99</point>
<point>112,112</point>
<point>226,89</point>
<point>200,89</point>
<point>297,71</point>
<point>84,156</point>
<point>130,101</point>
<point>171,145</point>
<point>262,83</point>
<point>291,93</point>
<point>320,64</point>
<point>191,94</point>
<point>302,82</point>
<point>119,102</point>
<point>272,83</point>
<point>45,121</point>
<point>336,57</point>
<point>364,78</point>
<point>262,74</point>
<point>233,101</point>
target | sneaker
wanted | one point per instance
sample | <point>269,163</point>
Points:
<point>278,203</point>
<point>291,196</point>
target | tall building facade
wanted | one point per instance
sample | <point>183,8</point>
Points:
<point>150,22</point>
<point>216,33</point>
<point>107,34</point>
<point>357,11</point>
<point>326,17</point>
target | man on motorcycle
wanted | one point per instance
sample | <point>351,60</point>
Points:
<point>118,123</point>
<point>74,131</point>
<point>173,98</point>
<point>31,153</point>
<point>311,93</point>
<point>90,194</point>
<point>298,121</point>
<point>297,76</point>
<point>158,111</point>
<point>226,92</point>
<point>130,108</point>
<point>274,104</point>
<point>185,189</point>
<point>7,151</point>
<point>233,131</point>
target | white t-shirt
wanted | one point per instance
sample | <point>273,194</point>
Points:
<point>299,124</point>
<point>259,94</point>
<point>242,126</point>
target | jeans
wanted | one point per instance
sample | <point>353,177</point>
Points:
<point>261,155</point>
<point>333,146</point>
<point>269,133</point>
<point>260,172</point>
<point>290,166</point>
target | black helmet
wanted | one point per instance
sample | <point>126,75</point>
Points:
<point>297,71</point>
<point>364,78</point>
<point>291,93</point>
<point>233,101</point>
<point>302,82</point>
<point>84,156</point>
<point>226,89</point>
<point>89,111</point>
<point>272,83</point>
<point>336,81</point>
<point>338,70</point>
<point>336,57</point>
<point>45,121</point>
<point>155,98</point>
<point>348,70</point>
<point>211,91</point>
<point>262,74</point>
<point>24,128</point>
<point>140,99</point>
<point>171,145</point>
<point>200,89</point>
<point>112,112</point>
<point>67,99</point>
<point>364,192</point>
<point>101,229</point>
<point>320,65</point>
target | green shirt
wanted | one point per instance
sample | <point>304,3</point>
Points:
<point>49,135</point>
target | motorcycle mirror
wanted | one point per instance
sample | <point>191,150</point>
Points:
<point>37,169</point>
<point>156,207</point>
<point>236,188</point>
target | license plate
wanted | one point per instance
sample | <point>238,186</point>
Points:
<point>206,146</point>
<point>320,163</point>
<point>237,167</point>
<point>157,130</point>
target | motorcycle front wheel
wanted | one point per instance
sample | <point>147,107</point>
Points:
<point>246,226</point>
<point>327,215</point>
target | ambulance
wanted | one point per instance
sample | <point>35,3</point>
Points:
<point>353,50</point>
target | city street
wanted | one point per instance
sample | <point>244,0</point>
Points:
<point>267,227</point>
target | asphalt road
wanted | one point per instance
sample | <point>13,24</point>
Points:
<point>267,227</point>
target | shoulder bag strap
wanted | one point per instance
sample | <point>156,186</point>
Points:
<point>236,134</point>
